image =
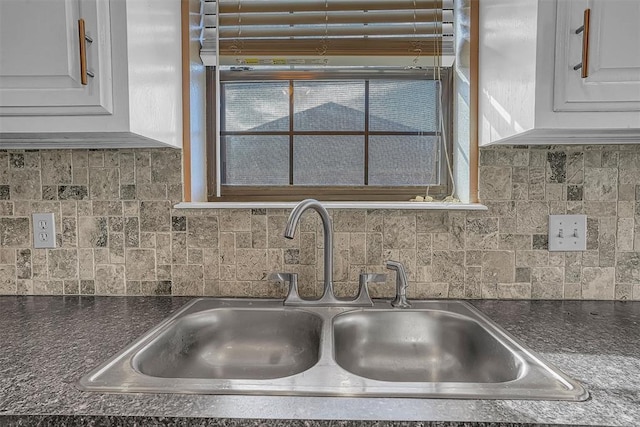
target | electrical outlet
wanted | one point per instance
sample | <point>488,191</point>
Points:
<point>44,230</point>
<point>567,232</point>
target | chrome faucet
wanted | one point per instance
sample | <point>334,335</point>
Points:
<point>328,297</point>
<point>400,301</point>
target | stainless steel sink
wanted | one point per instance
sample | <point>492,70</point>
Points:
<point>234,343</point>
<point>442,349</point>
<point>421,346</point>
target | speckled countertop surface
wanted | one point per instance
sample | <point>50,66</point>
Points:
<point>48,343</point>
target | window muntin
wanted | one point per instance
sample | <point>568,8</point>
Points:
<point>359,134</point>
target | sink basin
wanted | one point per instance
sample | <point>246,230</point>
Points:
<point>429,346</point>
<point>436,349</point>
<point>234,343</point>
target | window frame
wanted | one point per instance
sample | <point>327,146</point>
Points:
<point>235,193</point>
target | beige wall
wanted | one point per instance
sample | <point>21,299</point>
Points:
<point>118,233</point>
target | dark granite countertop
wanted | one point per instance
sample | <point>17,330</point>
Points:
<point>48,343</point>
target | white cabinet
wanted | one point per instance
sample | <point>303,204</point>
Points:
<point>132,93</point>
<point>40,71</point>
<point>531,90</point>
<point>612,52</point>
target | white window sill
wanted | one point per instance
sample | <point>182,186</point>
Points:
<point>336,205</point>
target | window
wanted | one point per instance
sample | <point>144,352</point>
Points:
<point>340,139</point>
<point>325,99</point>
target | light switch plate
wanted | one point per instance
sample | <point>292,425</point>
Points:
<point>44,230</point>
<point>567,232</point>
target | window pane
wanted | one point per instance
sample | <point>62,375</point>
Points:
<point>255,160</point>
<point>255,106</point>
<point>403,105</point>
<point>403,160</point>
<point>328,106</point>
<point>328,160</point>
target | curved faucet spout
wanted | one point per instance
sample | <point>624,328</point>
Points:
<point>290,230</point>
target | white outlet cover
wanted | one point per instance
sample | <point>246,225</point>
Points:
<point>567,233</point>
<point>44,230</point>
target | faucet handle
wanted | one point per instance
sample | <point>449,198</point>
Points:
<point>372,278</point>
<point>293,296</point>
<point>363,297</point>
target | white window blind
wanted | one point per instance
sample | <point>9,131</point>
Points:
<point>329,32</point>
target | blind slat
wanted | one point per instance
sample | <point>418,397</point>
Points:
<point>422,29</point>
<point>355,17</point>
<point>346,46</point>
<point>230,6</point>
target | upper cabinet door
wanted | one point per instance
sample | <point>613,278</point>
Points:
<point>40,65</point>
<point>612,53</point>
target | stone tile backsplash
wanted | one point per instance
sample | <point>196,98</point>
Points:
<point>118,233</point>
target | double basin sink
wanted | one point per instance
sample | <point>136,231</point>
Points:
<point>443,349</point>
